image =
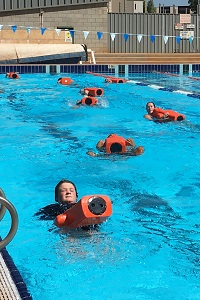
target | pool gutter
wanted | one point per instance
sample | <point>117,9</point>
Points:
<point>12,286</point>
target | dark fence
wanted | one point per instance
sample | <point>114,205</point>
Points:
<point>163,33</point>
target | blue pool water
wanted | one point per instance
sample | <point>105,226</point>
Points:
<point>149,247</point>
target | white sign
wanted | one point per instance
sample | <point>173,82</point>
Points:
<point>68,37</point>
<point>186,34</point>
<point>178,26</point>
<point>185,18</point>
<point>190,26</point>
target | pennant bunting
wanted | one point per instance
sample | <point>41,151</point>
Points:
<point>14,28</point>
<point>28,29</point>
<point>165,39</point>
<point>191,39</point>
<point>99,34</point>
<point>85,33</point>
<point>139,37</point>
<point>126,36</point>
<point>58,31</point>
<point>72,33</point>
<point>113,35</point>
<point>178,39</point>
<point>43,30</point>
<point>152,38</point>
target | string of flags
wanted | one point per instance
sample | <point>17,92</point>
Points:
<point>100,34</point>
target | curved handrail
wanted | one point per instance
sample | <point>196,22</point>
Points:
<point>14,226</point>
<point>2,207</point>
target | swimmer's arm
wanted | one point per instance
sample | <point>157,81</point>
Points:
<point>79,102</point>
<point>77,105</point>
<point>100,144</point>
<point>130,142</point>
<point>137,151</point>
<point>91,153</point>
<point>148,117</point>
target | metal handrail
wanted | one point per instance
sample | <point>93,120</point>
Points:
<point>13,229</point>
<point>2,208</point>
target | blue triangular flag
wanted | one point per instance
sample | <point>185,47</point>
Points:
<point>72,32</point>
<point>43,30</point>
<point>14,28</point>
<point>153,38</point>
<point>99,34</point>
<point>178,39</point>
<point>126,35</point>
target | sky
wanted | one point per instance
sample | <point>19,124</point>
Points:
<point>170,2</point>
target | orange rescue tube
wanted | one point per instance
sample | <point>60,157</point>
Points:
<point>115,144</point>
<point>89,210</point>
<point>89,101</point>
<point>175,116</point>
<point>172,116</point>
<point>65,80</point>
<point>94,92</point>
<point>115,80</point>
<point>12,75</point>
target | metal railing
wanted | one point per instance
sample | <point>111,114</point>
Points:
<point>5,204</point>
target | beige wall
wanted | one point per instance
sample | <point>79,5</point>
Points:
<point>35,37</point>
<point>90,19</point>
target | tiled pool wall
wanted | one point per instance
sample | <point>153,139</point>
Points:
<point>112,69</point>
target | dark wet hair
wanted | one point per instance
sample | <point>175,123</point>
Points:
<point>116,148</point>
<point>59,184</point>
<point>150,102</point>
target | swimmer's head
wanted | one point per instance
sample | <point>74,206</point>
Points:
<point>66,192</point>
<point>150,107</point>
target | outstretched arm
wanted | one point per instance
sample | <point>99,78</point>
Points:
<point>130,142</point>
<point>148,117</point>
<point>91,153</point>
<point>100,144</point>
<point>138,151</point>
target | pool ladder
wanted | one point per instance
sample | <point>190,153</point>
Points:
<point>5,204</point>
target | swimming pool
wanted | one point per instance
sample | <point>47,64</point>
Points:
<point>149,247</point>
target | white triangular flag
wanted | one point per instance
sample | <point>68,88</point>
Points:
<point>139,37</point>
<point>113,35</point>
<point>165,39</point>
<point>28,30</point>
<point>58,31</point>
<point>85,34</point>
